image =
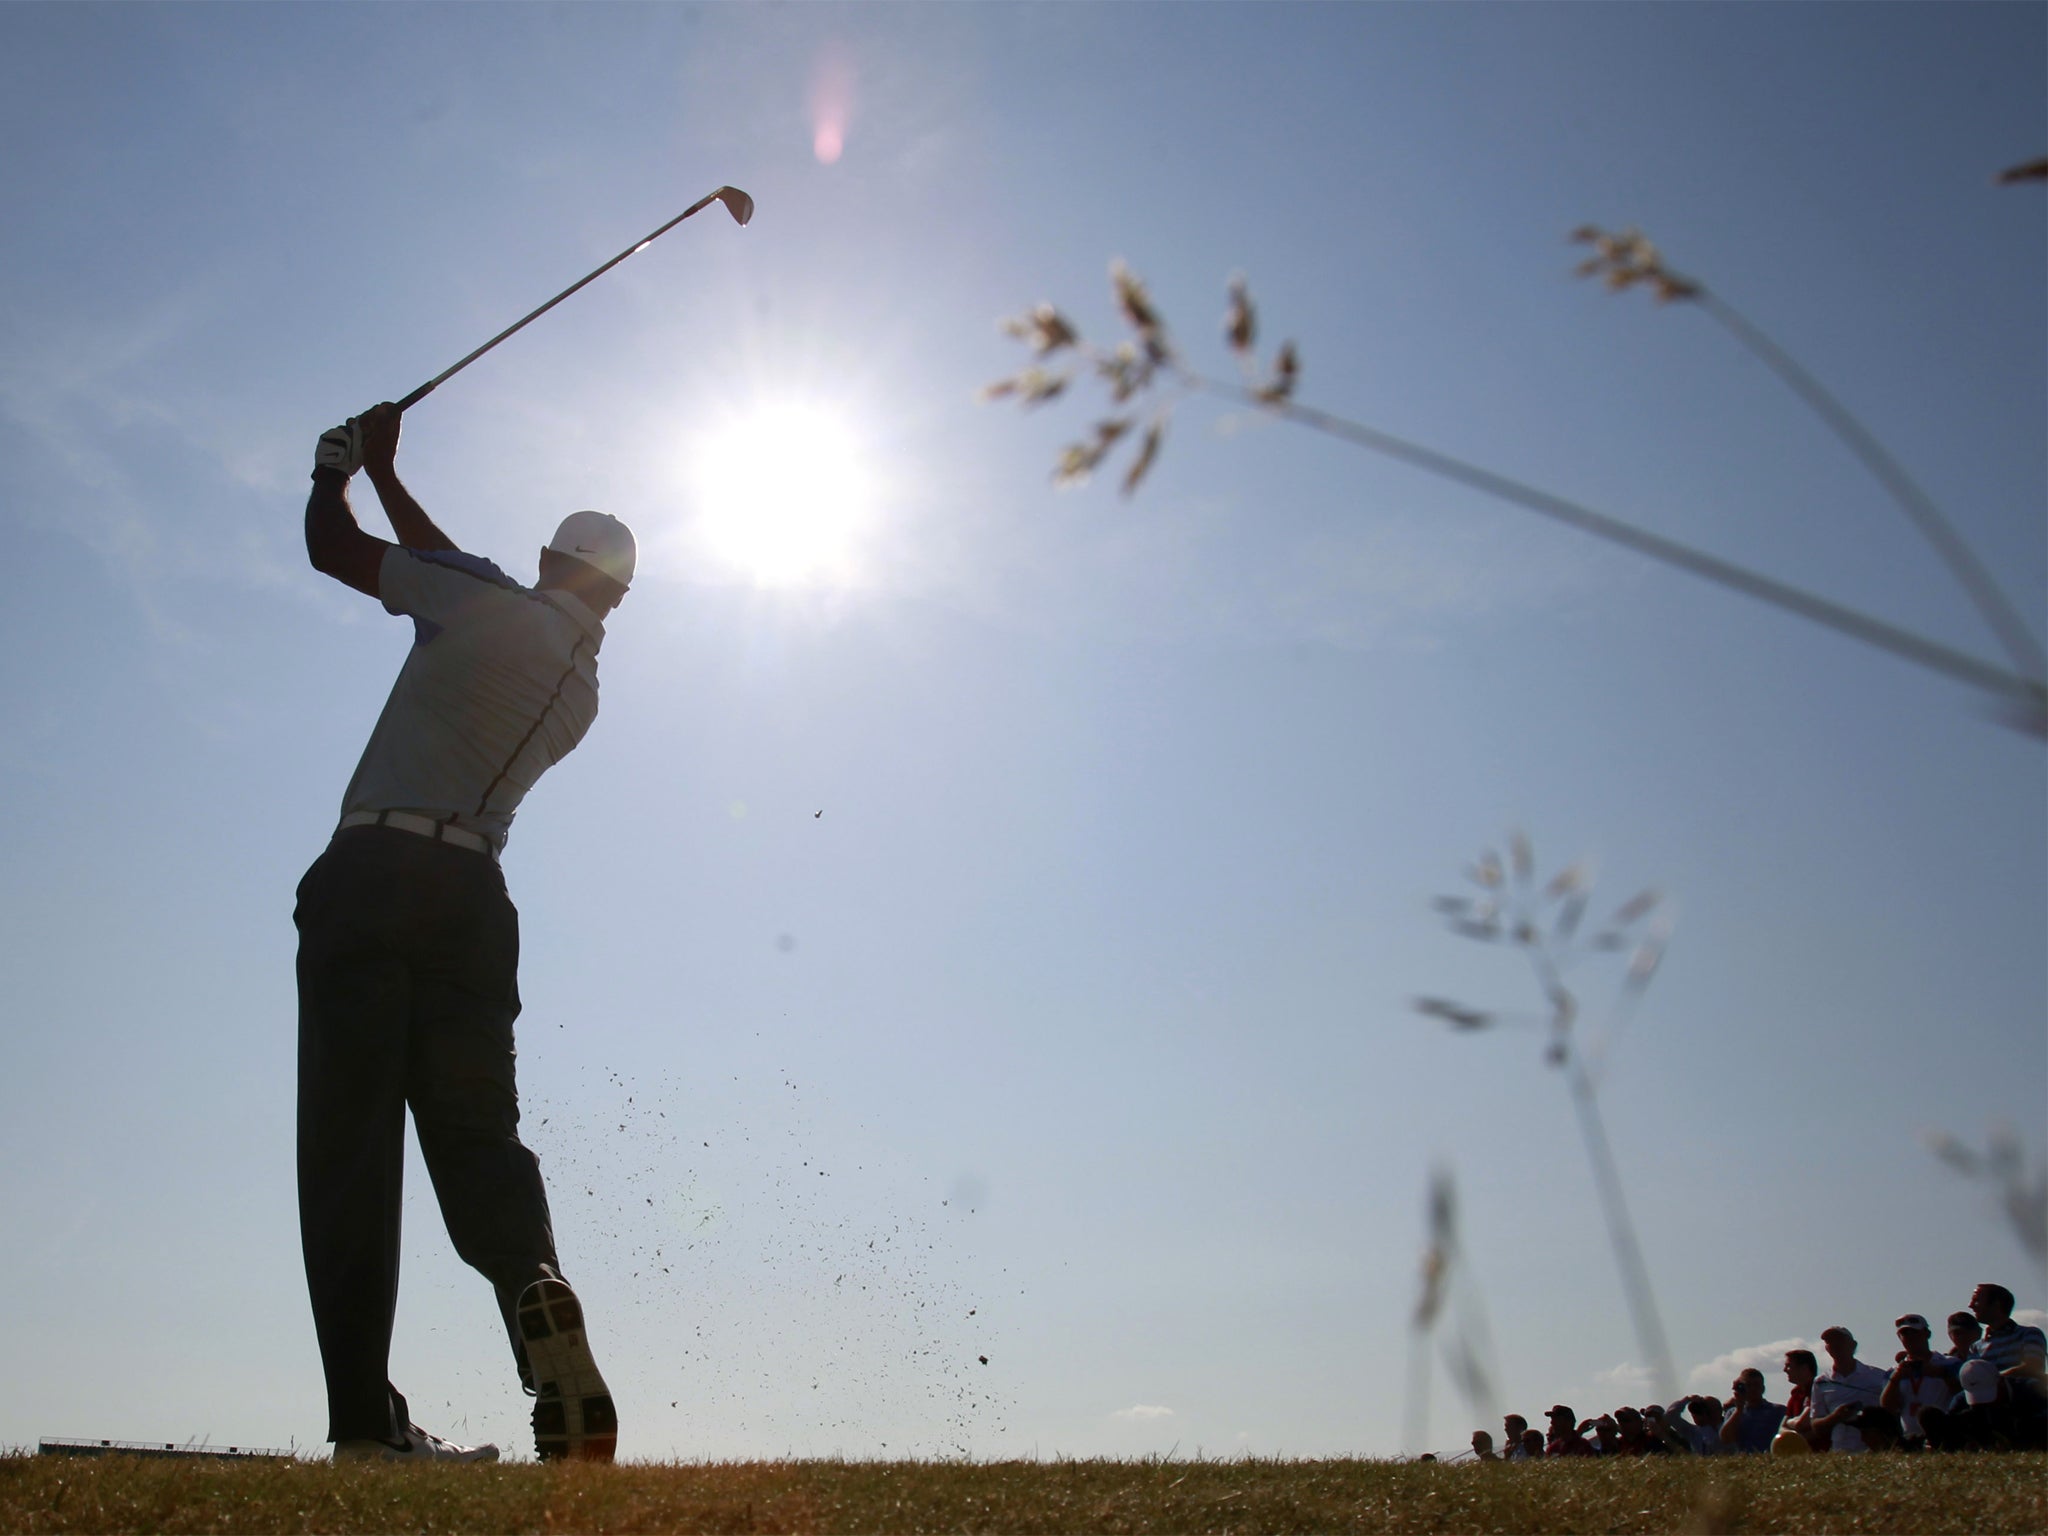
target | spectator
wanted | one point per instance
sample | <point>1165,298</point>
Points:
<point>1849,1384</point>
<point>1963,1331</point>
<point>1636,1438</point>
<point>1921,1379</point>
<point>1659,1430</point>
<point>1606,1436</point>
<point>1513,1427</point>
<point>1702,1436</point>
<point>1565,1438</point>
<point>1801,1370</point>
<point>1532,1445</point>
<point>2019,1351</point>
<point>1482,1446</point>
<point>1988,1419</point>
<point>1752,1421</point>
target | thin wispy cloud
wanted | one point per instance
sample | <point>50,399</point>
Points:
<point>1139,1412</point>
<point>136,479</point>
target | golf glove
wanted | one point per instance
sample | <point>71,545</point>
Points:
<point>340,449</point>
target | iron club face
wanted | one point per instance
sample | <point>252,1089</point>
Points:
<point>737,203</point>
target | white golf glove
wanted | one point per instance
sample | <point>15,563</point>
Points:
<point>340,449</point>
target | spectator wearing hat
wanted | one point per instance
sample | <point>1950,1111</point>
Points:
<point>1566,1438</point>
<point>1963,1331</point>
<point>2019,1351</point>
<point>1606,1435</point>
<point>1847,1385</point>
<point>1921,1379</point>
<point>1752,1421</point>
<point>1637,1438</point>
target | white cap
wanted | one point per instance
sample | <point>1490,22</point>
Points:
<point>1980,1380</point>
<point>597,539</point>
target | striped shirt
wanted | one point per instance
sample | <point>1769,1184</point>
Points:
<point>2011,1346</point>
<point>500,685</point>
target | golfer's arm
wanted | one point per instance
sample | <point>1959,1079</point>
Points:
<point>409,520</point>
<point>335,545</point>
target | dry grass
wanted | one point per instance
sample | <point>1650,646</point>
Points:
<point>1866,1493</point>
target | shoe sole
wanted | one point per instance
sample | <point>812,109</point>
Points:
<point>574,1419</point>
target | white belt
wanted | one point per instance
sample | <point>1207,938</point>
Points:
<point>425,826</point>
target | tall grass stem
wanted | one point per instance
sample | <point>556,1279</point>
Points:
<point>2030,695</point>
<point>1998,614</point>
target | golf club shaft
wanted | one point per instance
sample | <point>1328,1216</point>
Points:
<point>639,245</point>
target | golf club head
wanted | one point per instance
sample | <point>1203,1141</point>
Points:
<point>737,203</point>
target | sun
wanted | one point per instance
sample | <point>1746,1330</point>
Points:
<point>785,493</point>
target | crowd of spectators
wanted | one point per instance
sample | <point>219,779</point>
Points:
<point>1987,1392</point>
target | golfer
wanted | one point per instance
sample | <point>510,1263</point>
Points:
<point>409,951</point>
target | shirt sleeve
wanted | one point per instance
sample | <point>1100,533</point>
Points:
<point>434,587</point>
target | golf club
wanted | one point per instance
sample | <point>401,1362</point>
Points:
<point>737,203</point>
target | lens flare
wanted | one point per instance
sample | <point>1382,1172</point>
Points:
<point>831,106</point>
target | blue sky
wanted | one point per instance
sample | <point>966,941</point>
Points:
<point>1076,1032</point>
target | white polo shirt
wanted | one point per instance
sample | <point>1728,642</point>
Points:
<point>1833,1388</point>
<point>501,684</point>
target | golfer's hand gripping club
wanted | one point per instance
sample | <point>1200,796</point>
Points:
<point>737,203</point>
<point>339,453</point>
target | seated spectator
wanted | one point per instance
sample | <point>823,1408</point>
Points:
<point>1801,1370</point>
<point>1565,1438</point>
<point>1989,1419</point>
<point>1963,1331</point>
<point>1532,1445</point>
<point>1702,1436</point>
<point>1656,1427</point>
<point>1879,1427</point>
<point>1482,1446</point>
<point>1751,1422</point>
<point>1606,1436</point>
<point>1636,1438</point>
<point>1921,1379</point>
<point>1512,1429</point>
<point>1849,1384</point>
<point>2019,1351</point>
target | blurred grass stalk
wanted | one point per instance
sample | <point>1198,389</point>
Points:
<point>2021,1190</point>
<point>1139,366</point>
<point>1447,1284</point>
<point>1628,258</point>
<point>1512,909</point>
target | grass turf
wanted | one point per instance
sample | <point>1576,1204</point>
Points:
<point>1809,1494</point>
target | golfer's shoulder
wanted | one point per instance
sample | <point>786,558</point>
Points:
<point>453,567</point>
<point>438,583</point>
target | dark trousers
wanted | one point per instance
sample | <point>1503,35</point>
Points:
<point>408,964</point>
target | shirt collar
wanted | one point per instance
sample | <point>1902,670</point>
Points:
<point>575,608</point>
